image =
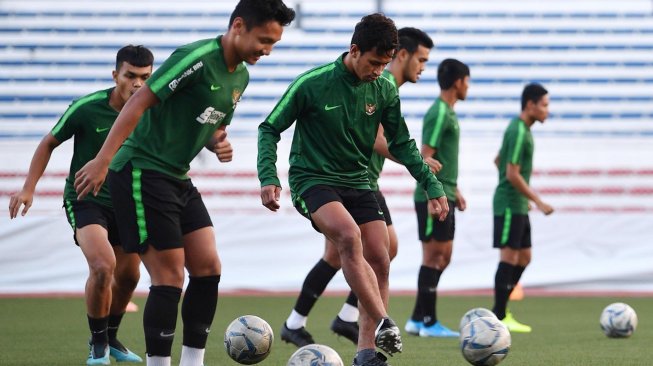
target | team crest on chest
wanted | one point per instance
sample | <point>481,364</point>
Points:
<point>235,96</point>
<point>370,108</point>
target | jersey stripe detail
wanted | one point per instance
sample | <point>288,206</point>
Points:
<point>137,195</point>
<point>429,224</point>
<point>293,88</point>
<point>186,62</point>
<point>438,124</point>
<point>505,234</point>
<point>76,104</point>
<point>521,131</point>
<point>71,214</point>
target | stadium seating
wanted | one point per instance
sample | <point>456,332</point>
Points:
<point>594,57</point>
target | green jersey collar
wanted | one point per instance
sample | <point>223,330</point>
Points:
<point>346,74</point>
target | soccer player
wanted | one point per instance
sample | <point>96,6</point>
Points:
<point>113,273</point>
<point>338,107</point>
<point>186,105</point>
<point>512,228</point>
<point>406,66</point>
<point>440,140</point>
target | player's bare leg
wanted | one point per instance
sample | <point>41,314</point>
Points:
<point>94,242</point>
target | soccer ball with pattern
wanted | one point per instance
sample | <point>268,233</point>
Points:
<point>485,341</point>
<point>315,355</point>
<point>248,339</point>
<point>618,320</point>
<point>474,313</point>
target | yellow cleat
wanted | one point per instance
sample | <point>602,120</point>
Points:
<point>514,326</point>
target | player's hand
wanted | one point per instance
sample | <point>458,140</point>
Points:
<point>461,204</point>
<point>270,195</point>
<point>90,177</point>
<point>435,165</point>
<point>545,208</point>
<point>439,207</point>
<point>222,147</point>
<point>19,199</point>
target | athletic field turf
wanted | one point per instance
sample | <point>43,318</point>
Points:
<point>53,331</point>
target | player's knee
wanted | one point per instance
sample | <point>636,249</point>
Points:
<point>128,279</point>
<point>347,242</point>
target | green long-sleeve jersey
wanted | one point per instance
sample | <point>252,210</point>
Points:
<point>337,118</point>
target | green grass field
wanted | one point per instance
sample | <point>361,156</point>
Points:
<point>566,331</point>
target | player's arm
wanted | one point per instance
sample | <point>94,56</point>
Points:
<point>517,181</point>
<point>282,116</point>
<point>90,177</point>
<point>220,145</point>
<point>381,145</point>
<point>428,153</point>
<point>405,150</point>
<point>36,168</point>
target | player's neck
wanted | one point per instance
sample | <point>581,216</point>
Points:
<point>115,100</point>
<point>231,58</point>
<point>529,120</point>
<point>395,70</point>
<point>449,96</point>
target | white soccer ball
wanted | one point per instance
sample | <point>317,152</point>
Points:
<point>618,320</point>
<point>474,313</point>
<point>315,355</point>
<point>485,341</point>
<point>248,339</point>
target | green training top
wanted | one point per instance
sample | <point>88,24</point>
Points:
<point>197,95</point>
<point>440,131</point>
<point>517,148</point>
<point>337,118</point>
<point>89,119</point>
<point>377,160</point>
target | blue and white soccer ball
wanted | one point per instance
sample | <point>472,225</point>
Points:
<point>315,355</point>
<point>472,314</point>
<point>485,341</point>
<point>618,320</point>
<point>248,339</point>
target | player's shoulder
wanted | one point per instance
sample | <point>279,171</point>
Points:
<point>91,100</point>
<point>319,74</point>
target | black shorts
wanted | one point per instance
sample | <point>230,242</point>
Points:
<point>430,228</point>
<point>383,206</point>
<point>85,212</point>
<point>513,231</point>
<point>360,203</point>
<point>155,209</point>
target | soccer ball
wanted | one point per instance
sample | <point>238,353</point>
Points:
<point>474,313</point>
<point>315,355</point>
<point>248,339</point>
<point>485,341</point>
<point>618,320</point>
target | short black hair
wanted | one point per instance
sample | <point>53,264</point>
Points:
<point>259,12</point>
<point>376,30</point>
<point>451,70</point>
<point>410,38</point>
<point>532,92</point>
<point>138,56</point>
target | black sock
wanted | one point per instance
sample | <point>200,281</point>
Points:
<point>198,309</point>
<point>114,323</point>
<point>427,283</point>
<point>99,334</point>
<point>519,270</point>
<point>352,299</point>
<point>503,284</point>
<point>314,284</point>
<point>160,319</point>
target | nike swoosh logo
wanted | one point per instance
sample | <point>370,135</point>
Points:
<point>215,87</point>
<point>208,330</point>
<point>166,335</point>
<point>380,213</point>
<point>98,129</point>
<point>328,107</point>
